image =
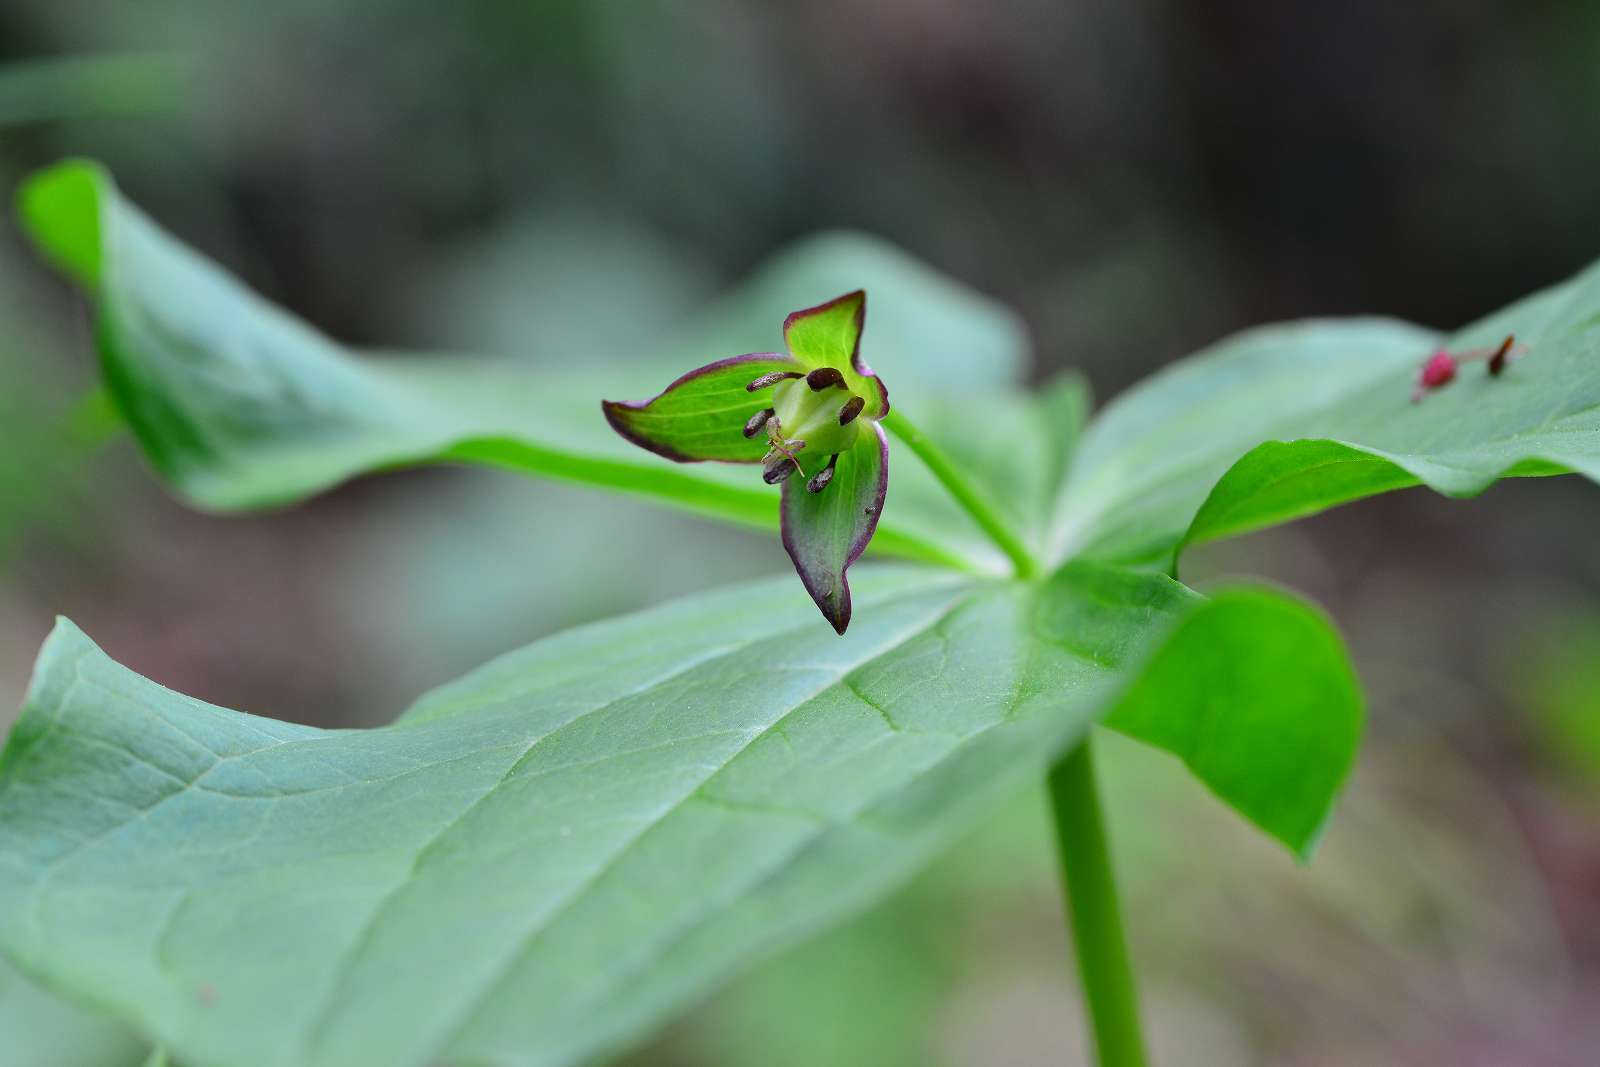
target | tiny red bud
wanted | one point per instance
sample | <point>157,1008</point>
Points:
<point>1439,370</point>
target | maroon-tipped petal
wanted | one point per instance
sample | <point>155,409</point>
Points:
<point>857,297</point>
<point>617,411</point>
<point>836,608</point>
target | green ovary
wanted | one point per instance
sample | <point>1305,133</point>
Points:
<point>812,416</point>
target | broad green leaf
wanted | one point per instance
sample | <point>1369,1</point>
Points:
<point>542,859</point>
<point>40,1030</point>
<point>239,405</point>
<point>1285,421</point>
<point>1254,693</point>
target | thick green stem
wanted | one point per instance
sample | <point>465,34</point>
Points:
<point>965,493</point>
<point>1091,894</point>
<point>1090,888</point>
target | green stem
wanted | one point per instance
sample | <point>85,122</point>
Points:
<point>1091,894</point>
<point>965,493</point>
<point>1090,887</point>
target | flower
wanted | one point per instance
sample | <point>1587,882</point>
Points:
<point>1441,367</point>
<point>809,417</point>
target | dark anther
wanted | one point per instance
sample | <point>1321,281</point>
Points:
<point>852,408</point>
<point>824,378</point>
<point>758,420</point>
<point>778,468</point>
<point>819,481</point>
<point>1497,362</point>
<point>772,379</point>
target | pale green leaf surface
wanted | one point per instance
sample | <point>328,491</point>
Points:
<point>239,405</point>
<point>41,1030</point>
<point>545,857</point>
<point>1320,413</point>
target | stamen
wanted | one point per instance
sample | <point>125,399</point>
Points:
<point>1497,362</point>
<point>852,408</point>
<point>820,480</point>
<point>824,378</point>
<point>778,468</point>
<point>772,379</point>
<point>757,421</point>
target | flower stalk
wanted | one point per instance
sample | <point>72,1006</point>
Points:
<point>1090,888</point>
<point>971,499</point>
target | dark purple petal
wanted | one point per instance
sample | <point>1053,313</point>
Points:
<point>825,532</point>
<point>702,415</point>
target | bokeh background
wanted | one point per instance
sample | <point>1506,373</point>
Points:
<point>556,180</point>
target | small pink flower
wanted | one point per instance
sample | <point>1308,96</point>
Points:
<point>1440,369</point>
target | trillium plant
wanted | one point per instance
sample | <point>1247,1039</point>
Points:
<point>542,861</point>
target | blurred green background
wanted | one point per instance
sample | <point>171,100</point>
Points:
<point>566,181</point>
